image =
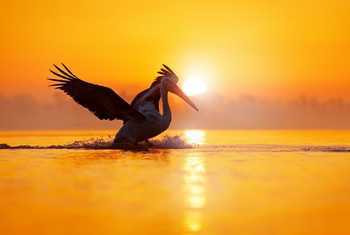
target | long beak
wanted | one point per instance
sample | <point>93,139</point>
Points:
<point>176,90</point>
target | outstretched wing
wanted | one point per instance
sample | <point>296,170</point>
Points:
<point>154,95</point>
<point>100,100</point>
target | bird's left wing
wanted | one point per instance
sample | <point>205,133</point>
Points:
<point>100,100</point>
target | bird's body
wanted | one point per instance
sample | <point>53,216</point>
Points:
<point>134,131</point>
<point>142,119</point>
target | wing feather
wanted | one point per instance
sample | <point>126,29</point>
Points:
<point>100,100</point>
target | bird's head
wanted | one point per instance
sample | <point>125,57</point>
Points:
<point>166,79</point>
<point>170,85</point>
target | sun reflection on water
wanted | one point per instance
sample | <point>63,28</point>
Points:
<point>195,136</point>
<point>194,186</point>
<point>193,221</point>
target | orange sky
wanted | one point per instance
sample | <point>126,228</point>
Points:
<point>258,47</point>
<point>273,49</point>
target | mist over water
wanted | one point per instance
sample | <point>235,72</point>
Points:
<point>26,112</point>
<point>201,140</point>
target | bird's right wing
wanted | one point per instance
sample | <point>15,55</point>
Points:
<point>100,100</point>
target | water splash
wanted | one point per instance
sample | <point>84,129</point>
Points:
<point>171,142</point>
<point>166,142</point>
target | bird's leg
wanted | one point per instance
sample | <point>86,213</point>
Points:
<point>124,143</point>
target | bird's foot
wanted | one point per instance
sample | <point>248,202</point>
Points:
<point>127,146</point>
<point>130,146</point>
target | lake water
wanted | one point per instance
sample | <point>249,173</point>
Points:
<point>230,182</point>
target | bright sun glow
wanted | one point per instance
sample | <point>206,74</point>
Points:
<point>194,86</point>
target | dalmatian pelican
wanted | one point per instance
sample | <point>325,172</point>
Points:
<point>142,119</point>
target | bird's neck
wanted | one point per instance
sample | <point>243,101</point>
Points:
<point>165,103</point>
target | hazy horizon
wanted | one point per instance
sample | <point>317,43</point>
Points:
<point>27,112</point>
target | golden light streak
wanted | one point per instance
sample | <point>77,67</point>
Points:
<point>195,198</point>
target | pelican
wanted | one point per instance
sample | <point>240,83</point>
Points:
<point>141,118</point>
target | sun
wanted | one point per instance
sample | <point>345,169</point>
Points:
<point>194,86</point>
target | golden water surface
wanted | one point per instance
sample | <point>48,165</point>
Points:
<point>210,190</point>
